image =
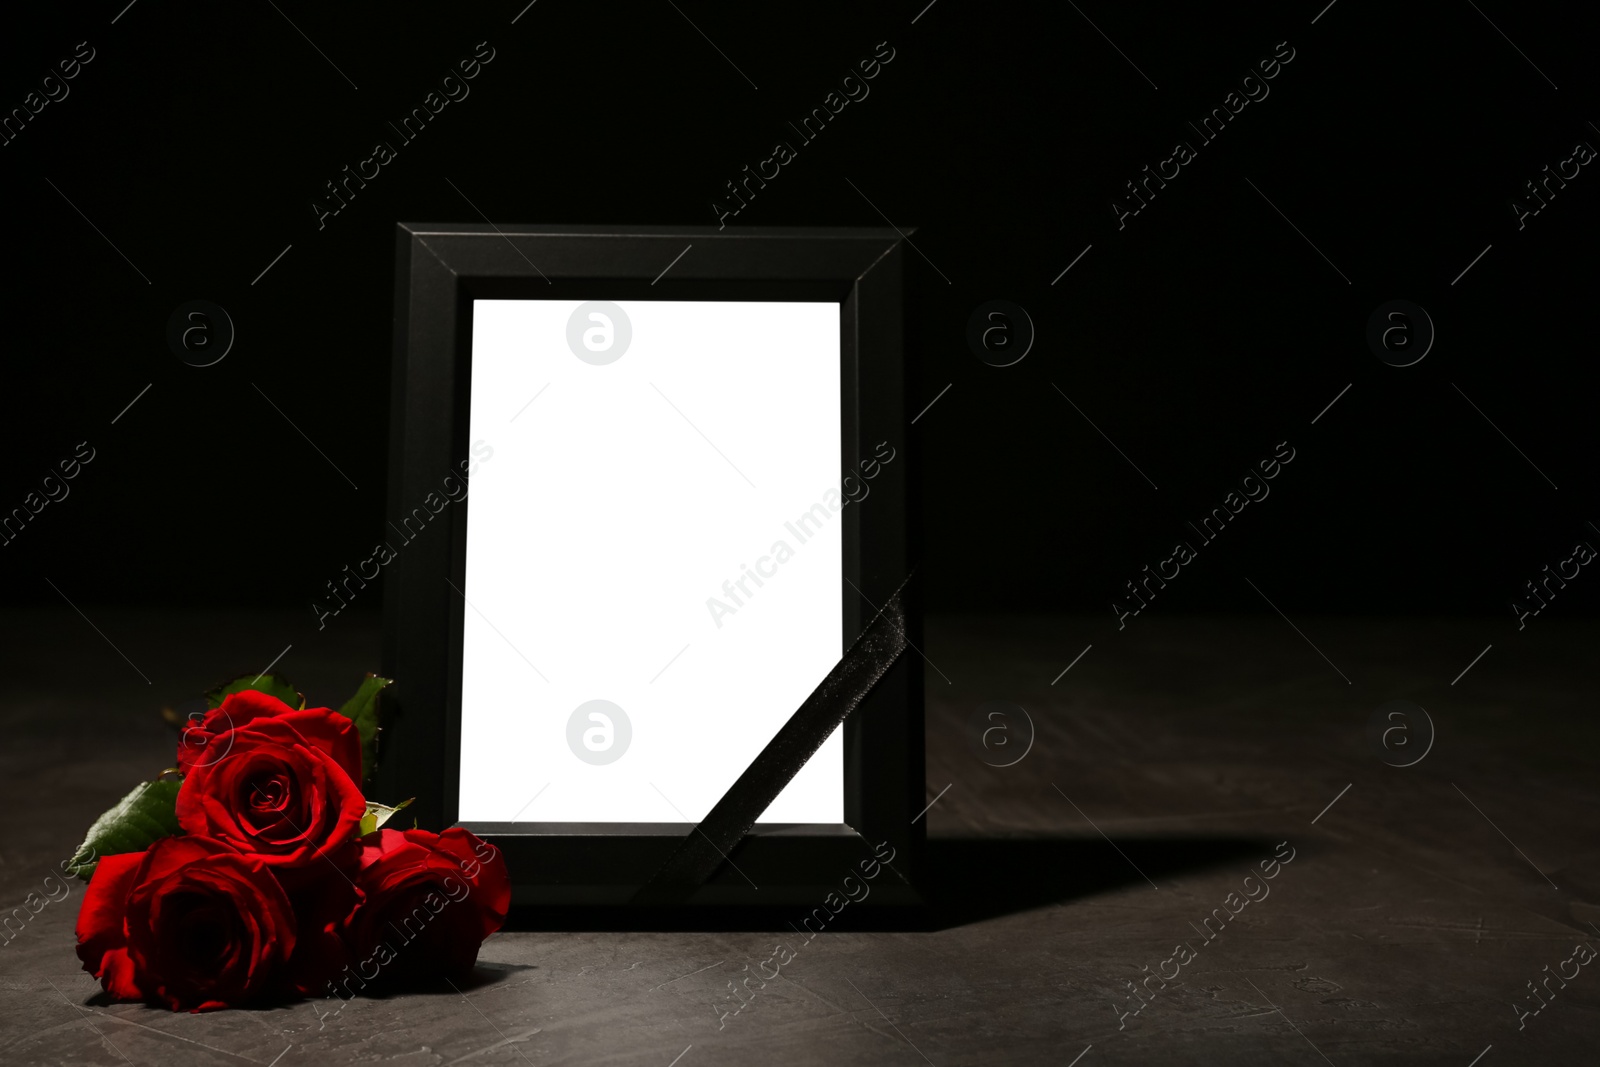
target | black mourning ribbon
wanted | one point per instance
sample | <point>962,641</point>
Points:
<point>706,847</point>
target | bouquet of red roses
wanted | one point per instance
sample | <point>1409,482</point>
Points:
<point>256,870</point>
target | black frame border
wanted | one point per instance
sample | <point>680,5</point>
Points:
<point>594,869</point>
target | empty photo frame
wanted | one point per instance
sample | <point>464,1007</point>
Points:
<point>648,488</point>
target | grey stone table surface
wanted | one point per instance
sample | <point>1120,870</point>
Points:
<point>1422,909</point>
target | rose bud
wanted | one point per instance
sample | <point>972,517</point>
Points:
<point>431,900</point>
<point>277,784</point>
<point>190,923</point>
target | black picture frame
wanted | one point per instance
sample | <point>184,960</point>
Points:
<point>594,870</point>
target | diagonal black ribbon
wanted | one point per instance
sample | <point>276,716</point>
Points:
<point>706,847</point>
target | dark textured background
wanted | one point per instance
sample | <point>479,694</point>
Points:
<point>1196,338</point>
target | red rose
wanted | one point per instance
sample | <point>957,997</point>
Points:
<point>191,924</point>
<point>431,899</point>
<point>204,740</point>
<point>276,784</point>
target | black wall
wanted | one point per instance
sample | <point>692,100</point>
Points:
<point>1197,336</point>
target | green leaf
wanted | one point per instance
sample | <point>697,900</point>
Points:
<point>271,684</point>
<point>378,814</point>
<point>138,819</point>
<point>362,709</point>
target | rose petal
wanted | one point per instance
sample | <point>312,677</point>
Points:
<point>100,917</point>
